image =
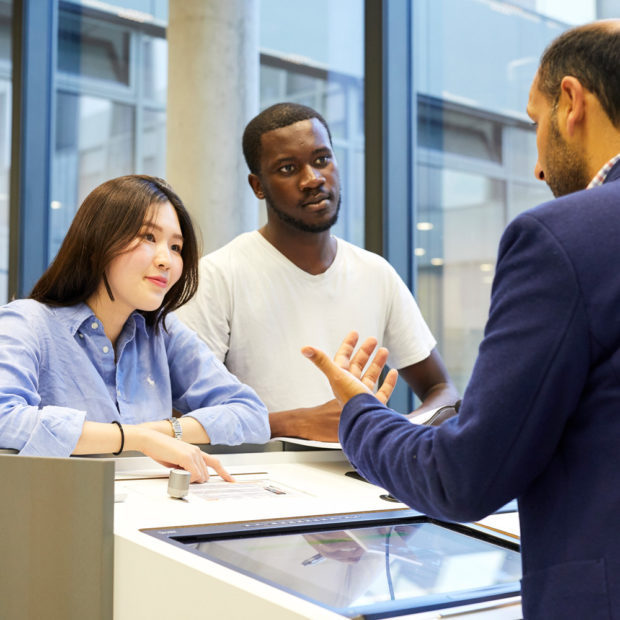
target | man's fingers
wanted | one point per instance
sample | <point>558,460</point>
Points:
<point>362,355</point>
<point>320,360</point>
<point>385,391</point>
<point>372,374</point>
<point>346,382</point>
<point>345,350</point>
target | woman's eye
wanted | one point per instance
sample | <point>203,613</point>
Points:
<point>177,248</point>
<point>148,237</point>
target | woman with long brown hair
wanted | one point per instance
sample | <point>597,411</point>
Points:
<point>93,362</point>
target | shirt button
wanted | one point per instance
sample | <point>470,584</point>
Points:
<point>81,335</point>
<point>94,325</point>
<point>106,349</point>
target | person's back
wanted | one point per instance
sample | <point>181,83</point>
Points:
<point>577,527</point>
<point>539,418</point>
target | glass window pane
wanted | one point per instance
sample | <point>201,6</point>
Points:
<point>476,154</point>
<point>322,67</point>
<point>94,143</point>
<point>520,152</point>
<point>460,218</point>
<point>5,143</point>
<point>448,130</point>
<point>155,69</point>
<point>93,48</point>
<point>522,196</point>
<point>154,143</point>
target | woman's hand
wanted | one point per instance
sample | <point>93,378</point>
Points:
<point>172,452</point>
<point>346,374</point>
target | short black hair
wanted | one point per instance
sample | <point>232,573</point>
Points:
<point>274,117</point>
<point>590,53</point>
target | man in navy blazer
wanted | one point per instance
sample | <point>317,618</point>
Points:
<point>540,419</point>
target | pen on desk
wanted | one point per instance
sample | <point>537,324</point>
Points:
<point>275,490</point>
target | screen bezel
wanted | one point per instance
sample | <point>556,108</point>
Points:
<point>183,536</point>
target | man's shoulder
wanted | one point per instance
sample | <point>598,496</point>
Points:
<point>351,252</point>
<point>579,222</point>
<point>600,201</point>
<point>246,239</point>
<point>234,251</point>
<point>346,247</point>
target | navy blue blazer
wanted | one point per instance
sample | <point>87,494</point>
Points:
<point>540,418</point>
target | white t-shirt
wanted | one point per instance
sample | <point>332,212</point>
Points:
<point>256,310</point>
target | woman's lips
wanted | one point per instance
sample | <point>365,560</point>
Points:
<point>158,281</point>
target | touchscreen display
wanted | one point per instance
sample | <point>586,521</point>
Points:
<point>358,568</point>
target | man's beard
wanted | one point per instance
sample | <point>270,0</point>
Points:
<point>300,224</point>
<point>567,171</point>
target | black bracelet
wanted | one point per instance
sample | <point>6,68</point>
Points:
<point>122,437</point>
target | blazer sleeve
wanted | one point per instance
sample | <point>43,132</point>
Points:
<point>531,368</point>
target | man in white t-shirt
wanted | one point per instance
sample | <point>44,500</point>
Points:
<point>269,292</point>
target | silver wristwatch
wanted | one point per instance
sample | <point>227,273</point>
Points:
<point>176,428</point>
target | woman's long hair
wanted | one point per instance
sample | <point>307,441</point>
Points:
<point>109,219</point>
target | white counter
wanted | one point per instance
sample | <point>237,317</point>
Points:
<point>154,579</point>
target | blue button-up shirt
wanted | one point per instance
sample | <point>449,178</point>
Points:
<point>58,369</point>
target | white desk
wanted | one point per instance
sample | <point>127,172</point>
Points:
<point>154,579</point>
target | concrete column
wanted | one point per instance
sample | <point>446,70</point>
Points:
<point>213,64</point>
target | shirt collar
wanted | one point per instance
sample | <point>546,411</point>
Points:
<point>75,316</point>
<point>601,175</point>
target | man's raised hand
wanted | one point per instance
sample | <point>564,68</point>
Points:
<point>346,374</point>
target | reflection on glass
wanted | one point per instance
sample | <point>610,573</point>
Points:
<point>475,154</point>
<point>155,69</point>
<point>94,142</point>
<point>522,196</point>
<point>462,217</point>
<point>447,130</point>
<point>154,142</point>
<point>363,566</point>
<point>93,48</point>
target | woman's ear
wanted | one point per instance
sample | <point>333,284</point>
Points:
<point>256,185</point>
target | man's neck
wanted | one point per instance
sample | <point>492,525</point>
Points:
<point>311,252</point>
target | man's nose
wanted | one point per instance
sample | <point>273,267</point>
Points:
<point>538,172</point>
<point>311,177</point>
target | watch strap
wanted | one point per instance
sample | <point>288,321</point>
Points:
<point>176,428</point>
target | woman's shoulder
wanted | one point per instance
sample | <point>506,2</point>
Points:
<point>26,320</point>
<point>28,309</point>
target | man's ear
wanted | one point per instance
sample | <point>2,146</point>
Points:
<point>573,98</point>
<point>256,186</point>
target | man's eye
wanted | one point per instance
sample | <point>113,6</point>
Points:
<point>287,168</point>
<point>323,160</point>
